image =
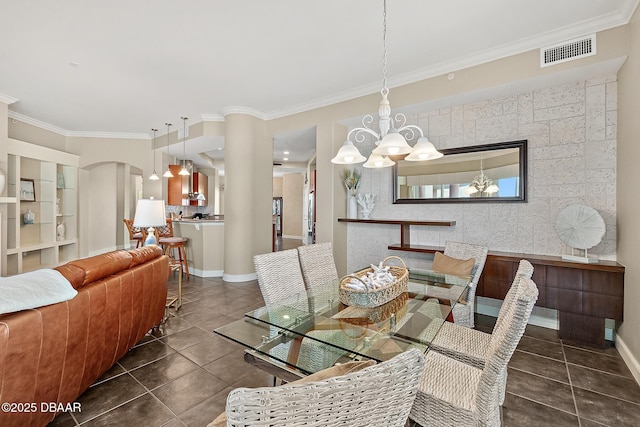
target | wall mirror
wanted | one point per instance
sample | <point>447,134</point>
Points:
<point>479,173</point>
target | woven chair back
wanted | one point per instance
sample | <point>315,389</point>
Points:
<point>317,263</point>
<point>503,343</point>
<point>525,269</point>
<point>463,313</point>
<point>279,275</point>
<point>380,395</point>
<point>165,230</point>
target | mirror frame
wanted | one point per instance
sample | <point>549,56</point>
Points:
<point>522,151</point>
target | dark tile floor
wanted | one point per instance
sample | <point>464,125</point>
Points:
<point>182,374</point>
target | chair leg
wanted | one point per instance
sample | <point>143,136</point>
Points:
<point>183,259</point>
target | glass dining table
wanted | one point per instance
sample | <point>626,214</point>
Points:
<point>313,330</point>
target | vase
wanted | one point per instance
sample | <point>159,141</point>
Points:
<point>352,206</point>
<point>60,231</point>
<point>29,217</point>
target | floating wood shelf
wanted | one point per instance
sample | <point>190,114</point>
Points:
<point>405,226</point>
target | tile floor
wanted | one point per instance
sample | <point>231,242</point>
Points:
<point>181,375</point>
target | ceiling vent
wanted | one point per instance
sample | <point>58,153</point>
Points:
<point>568,50</point>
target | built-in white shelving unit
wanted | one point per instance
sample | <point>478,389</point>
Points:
<point>55,178</point>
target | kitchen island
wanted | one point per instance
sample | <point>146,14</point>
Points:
<point>205,248</point>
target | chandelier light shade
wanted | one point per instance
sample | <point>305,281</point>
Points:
<point>393,131</point>
<point>348,154</point>
<point>393,144</point>
<point>154,176</point>
<point>184,170</point>
<point>423,150</point>
<point>167,173</point>
<point>378,161</point>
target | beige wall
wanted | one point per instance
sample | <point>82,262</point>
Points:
<point>628,201</point>
<point>102,208</point>
<point>277,187</point>
<point>292,205</point>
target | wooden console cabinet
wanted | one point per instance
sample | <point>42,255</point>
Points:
<point>584,294</point>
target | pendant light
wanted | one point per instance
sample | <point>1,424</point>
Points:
<point>167,173</point>
<point>184,170</point>
<point>154,176</point>
<point>393,131</point>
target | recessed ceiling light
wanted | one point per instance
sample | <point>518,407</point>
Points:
<point>285,158</point>
<point>286,152</point>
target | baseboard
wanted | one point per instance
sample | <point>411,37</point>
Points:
<point>629,358</point>
<point>544,317</point>
<point>206,273</point>
<point>239,277</point>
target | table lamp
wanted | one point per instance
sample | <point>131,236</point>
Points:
<point>150,213</point>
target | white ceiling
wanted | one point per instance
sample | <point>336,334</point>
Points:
<point>123,67</point>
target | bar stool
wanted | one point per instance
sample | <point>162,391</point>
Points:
<point>169,242</point>
<point>134,232</point>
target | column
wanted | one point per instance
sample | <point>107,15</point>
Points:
<point>248,190</point>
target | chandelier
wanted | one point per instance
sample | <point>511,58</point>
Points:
<point>393,132</point>
<point>482,184</point>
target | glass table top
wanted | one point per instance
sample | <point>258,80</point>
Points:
<point>314,330</point>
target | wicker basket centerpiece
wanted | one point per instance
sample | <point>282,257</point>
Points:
<point>361,289</point>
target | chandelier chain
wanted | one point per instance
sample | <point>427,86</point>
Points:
<point>384,90</point>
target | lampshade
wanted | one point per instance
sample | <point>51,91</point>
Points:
<point>150,213</point>
<point>348,155</point>
<point>377,161</point>
<point>392,144</point>
<point>423,150</point>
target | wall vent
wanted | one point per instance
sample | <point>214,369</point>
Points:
<point>568,50</point>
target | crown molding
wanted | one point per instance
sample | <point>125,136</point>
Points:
<point>212,117</point>
<point>602,23</point>
<point>37,123</point>
<point>7,99</point>
<point>108,135</point>
<point>75,134</point>
<point>245,110</point>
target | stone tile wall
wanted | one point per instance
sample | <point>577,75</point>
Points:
<point>571,133</point>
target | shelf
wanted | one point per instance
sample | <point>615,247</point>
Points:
<point>405,226</point>
<point>34,246</point>
<point>407,222</point>
<point>415,248</point>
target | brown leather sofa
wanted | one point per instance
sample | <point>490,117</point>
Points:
<point>50,355</point>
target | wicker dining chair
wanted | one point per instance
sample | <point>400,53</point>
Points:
<point>279,275</point>
<point>470,345</point>
<point>380,395</point>
<point>463,311</point>
<point>453,393</point>
<point>317,263</point>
